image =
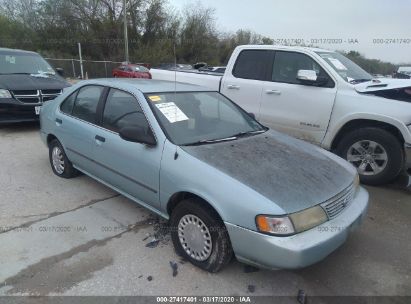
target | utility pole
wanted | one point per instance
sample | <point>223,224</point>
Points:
<point>125,32</point>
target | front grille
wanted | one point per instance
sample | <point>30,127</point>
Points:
<point>48,98</point>
<point>28,99</point>
<point>35,96</point>
<point>25,92</point>
<point>337,204</point>
<point>50,92</point>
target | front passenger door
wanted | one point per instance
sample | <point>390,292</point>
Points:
<point>299,109</point>
<point>131,167</point>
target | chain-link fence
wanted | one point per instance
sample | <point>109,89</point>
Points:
<point>91,69</point>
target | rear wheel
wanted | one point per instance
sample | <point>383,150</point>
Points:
<point>59,162</point>
<point>200,236</point>
<point>376,153</point>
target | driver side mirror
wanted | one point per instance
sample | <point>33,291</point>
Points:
<point>307,76</point>
<point>138,135</point>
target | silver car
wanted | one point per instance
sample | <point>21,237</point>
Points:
<point>228,185</point>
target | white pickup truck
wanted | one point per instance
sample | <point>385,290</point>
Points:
<point>322,97</point>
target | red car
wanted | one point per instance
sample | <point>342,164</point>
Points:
<point>131,71</point>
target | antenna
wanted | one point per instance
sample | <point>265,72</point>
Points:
<point>175,88</point>
<point>175,72</point>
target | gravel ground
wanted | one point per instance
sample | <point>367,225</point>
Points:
<point>77,237</point>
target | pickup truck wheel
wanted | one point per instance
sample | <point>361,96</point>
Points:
<point>200,236</point>
<point>59,162</point>
<point>376,153</point>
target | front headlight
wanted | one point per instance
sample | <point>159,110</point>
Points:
<point>293,223</point>
<point>5,93</point>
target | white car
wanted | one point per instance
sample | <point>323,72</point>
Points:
<point>322,97</point>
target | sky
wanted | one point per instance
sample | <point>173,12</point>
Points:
<point>379,29</point>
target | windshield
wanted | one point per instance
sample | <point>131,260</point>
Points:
<point>23,63</point>
<point>198,117</point>
<point>347,69</point>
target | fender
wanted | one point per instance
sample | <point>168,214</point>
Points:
<point>336,127</point>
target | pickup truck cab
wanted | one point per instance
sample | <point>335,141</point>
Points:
<point>27,81</point>
<point>322,97</point>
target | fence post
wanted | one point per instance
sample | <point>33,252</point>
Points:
<point>81,61</point>
<point>105,67</point>
<point>74,70</point>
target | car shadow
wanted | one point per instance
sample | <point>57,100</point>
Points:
<point>20,127</point>
<point>403,182</point>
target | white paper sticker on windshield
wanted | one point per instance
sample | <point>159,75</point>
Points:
<point>338,65</point>
<point>11,59</point>
<point>171,112</point>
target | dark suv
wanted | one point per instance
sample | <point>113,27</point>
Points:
<point>26,82</point>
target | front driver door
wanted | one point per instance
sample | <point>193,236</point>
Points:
<point>130,167</point>
<point>301,110</point>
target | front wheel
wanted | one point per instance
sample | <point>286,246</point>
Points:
<point>200,236</point>
<point>59,162</point>
<point>376,153</point>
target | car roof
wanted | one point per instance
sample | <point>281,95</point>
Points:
<point>147,85</point>
<point>283,47</point>
<point>18,51</point>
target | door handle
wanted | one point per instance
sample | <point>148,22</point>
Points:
<point>233,87</point>
<point>100,138</point>
<point>273,92</point>
<point>58,121</point>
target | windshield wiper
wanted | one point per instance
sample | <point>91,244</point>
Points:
<point>251,132</point>
<point>15,73</point>
<point>355,81</point>
<point>210,141</point>
<point>234,137</point>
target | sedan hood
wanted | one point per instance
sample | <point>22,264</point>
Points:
<point>28,82</point>
<point>382,84</point>
<point>291,173</point>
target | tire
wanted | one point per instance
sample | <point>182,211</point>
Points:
<point>219,252</point>
<point>66,170</point>
<point>383,160</point>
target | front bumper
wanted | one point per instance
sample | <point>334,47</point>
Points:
<point>407,149</point>
<point>302,249</point>
<point>12,110</point>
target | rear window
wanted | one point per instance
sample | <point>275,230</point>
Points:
<point>252,64</point>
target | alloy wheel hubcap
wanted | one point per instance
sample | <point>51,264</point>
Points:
<point>195,238</point>
<point>369,157</point>
<point>58,160</point>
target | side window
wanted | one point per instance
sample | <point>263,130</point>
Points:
<point>67,105</point>
<point>85,106</point>
<point>122,110</point>
<point>287,65</point>
<point>252,64</point>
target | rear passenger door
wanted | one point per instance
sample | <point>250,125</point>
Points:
<point>76,125</point>
<point>132,168</point>
<point>244,84</point>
